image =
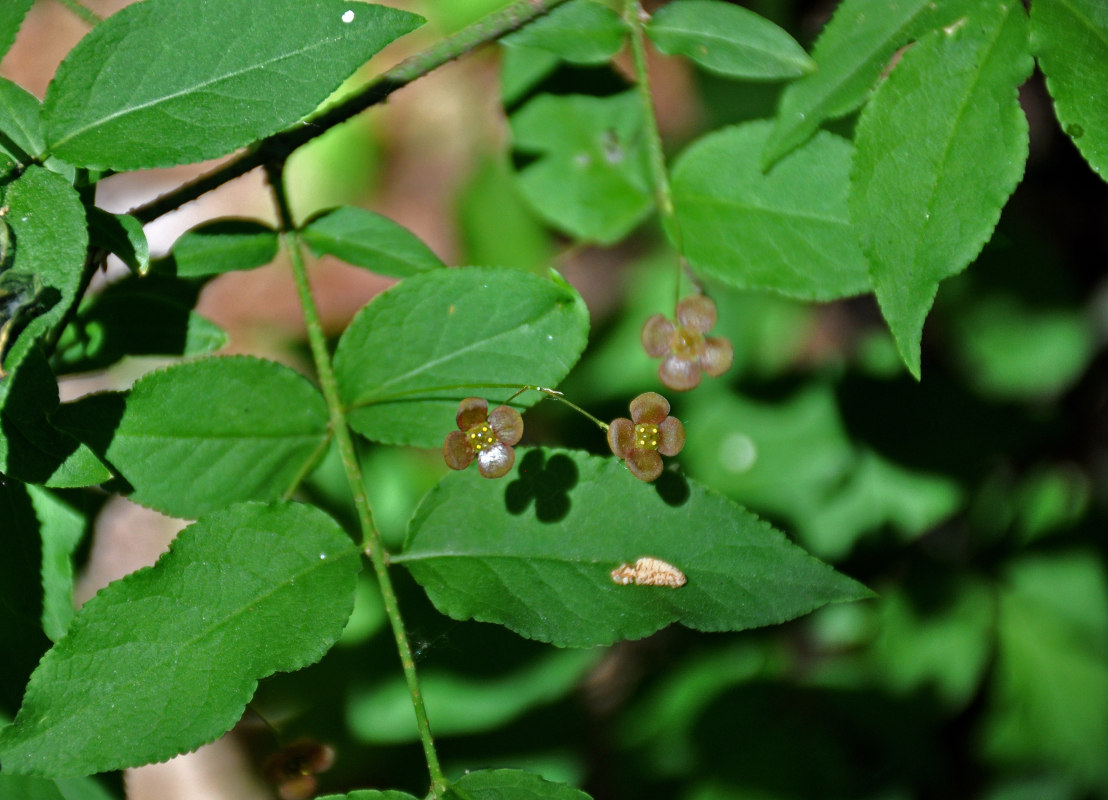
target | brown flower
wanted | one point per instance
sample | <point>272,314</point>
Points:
<point>686,349</point>
<point>486,437</point>
<point>650,431</point>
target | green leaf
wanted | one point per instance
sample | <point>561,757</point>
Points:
<point>382,714</point>
<point>521,69</point>
<point>411,355</point>
<point>591,176</point>
<point>221,245</point>
<point>20,123</point>
<point>850,55</point>
<point>535,552</point>
<point>512,784</point>
<point>728,39</point>
<point>62,527</point>
<point>31,448</point>
<point>1012,350</point>
<point>1050,701</point>
<point>136,316</point>
<point>792,460</point>
<point>11,17</point>
<point>26,787</point>
<point>48,221</point>
<point>168,82</point>
<point>121,235</point>
<point>938,151</point>
<point>369,240</point>
<point>940,640</point>
<point>583,32</point>
<point>166,659</point>
<point>495,225</point>
<point>1070,40</point>
<point>787,230</point>
<point>200,435</point>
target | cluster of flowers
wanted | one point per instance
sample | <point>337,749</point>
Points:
<point>489,437</point>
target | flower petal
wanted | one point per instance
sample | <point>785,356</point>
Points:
<point>456,451</point>
<point>697,313</point>
<point>679,374</point>
<point>649,407</point>
<point>507,424</point>
<point>716,356</point>
<point>621,436</point>
<point>472,411</point>
<point>646,465</point>
<point>495,461</point>
<point>656,334</point>
<point>671,436</point>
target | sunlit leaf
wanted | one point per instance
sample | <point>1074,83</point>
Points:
<point>200,435</point>
<point>62,526</point>
<point>365,239</point>
<point>787,230</point>
<point>939,149</point>
<point>728,39</point>
<point>415,351</point>
<point>48,222</point>
<point>221,245</point>
<point>850,55</point>
<point>166,659</point>
<point>11,17</point>
<point>20,120</point>
<point>168,82</point>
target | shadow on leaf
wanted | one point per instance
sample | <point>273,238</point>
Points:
<point>546,483</point>
<point>673,488</point>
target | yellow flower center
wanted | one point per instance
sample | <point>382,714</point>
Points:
<point>646,436</point>
<point>686,344</point>
<point>481,436</point>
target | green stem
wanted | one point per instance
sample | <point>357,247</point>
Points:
<point>280,145</point>
<point>86,14</point>
<point>372,545</point>
<point>561,399</point>
<point>634,15</point>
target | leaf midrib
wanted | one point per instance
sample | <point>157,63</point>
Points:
<point>261,65</point>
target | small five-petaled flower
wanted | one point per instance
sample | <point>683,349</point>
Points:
<point>486,437</point>
<point>650,434</point>
<point>686,349</point>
